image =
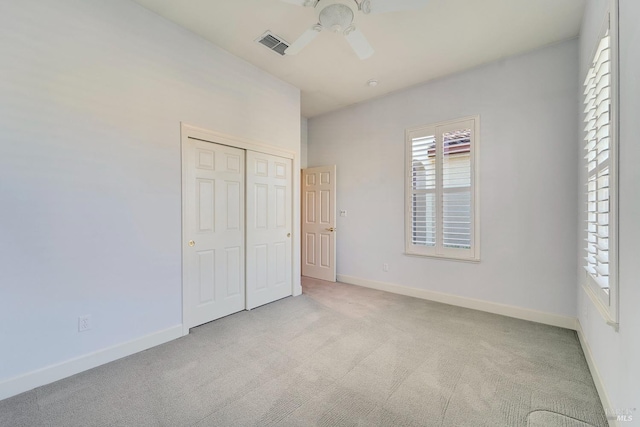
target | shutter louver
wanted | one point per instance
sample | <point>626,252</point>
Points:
<point>597,146</point>
<point>423,208</point>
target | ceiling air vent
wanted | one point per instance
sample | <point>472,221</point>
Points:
<point>273,42</point>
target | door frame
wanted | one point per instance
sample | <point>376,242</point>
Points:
<point>192,132</point>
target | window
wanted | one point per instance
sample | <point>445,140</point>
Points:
<point>600,98</point>
<point>441,190</point>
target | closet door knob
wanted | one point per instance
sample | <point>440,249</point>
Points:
<point>192,243</point>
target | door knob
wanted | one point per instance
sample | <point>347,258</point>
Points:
<point>192,243</point>
<point>332,229</point>
<point>288,234</point>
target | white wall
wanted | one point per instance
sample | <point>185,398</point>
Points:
<point>616,354</point>
<point>528,179</point>
<point>304,134</point>
<point>92,94</point>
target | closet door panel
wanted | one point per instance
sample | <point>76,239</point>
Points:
<point>269,211</point>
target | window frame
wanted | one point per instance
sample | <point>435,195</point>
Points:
<point>606,304</point>
<point>438,251</point>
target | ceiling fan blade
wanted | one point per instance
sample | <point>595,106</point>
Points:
<point>359,43</point>
<point>301,2</point>
<point>383,6</point>
<point>306,38</point>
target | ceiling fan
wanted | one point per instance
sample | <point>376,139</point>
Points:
<point>338,16</point>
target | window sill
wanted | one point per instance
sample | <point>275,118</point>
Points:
<point>443,257</point>
<point>602,309</point>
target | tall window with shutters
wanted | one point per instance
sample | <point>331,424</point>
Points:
<point>441,190</point>
<point>600,100</point>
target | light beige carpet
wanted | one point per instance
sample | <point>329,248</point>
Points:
<point>339,355</point>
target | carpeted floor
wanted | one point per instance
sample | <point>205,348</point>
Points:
<point>338,355</point>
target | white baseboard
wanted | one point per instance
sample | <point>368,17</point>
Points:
<point>475,304</point>
<point>49,374</point>
<point>595,374</point>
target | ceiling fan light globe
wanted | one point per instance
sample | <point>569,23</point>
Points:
<point>336,15</point>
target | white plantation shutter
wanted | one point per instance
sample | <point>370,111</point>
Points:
<point>441,214</point>
<point>601,118</point>
<point>456,189</point>
<point>597,100</point>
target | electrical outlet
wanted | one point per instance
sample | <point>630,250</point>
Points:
<point>84,323</point>
<point>385,267</point>
<point>343,213</point>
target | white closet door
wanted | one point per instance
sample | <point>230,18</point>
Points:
<point>269,183</point>
<point>213,231</point>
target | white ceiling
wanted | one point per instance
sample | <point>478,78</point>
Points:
<point>445,37</point>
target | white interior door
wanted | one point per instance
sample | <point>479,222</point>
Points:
<point>213,231</point>
<point>269,183</point>
<point>319,223</point>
